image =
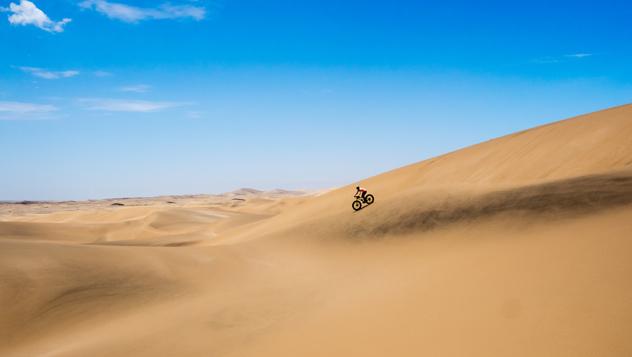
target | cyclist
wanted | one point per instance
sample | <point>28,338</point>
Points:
<point>360,191</point>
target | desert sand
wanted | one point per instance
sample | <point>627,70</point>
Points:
<point>519,246</point>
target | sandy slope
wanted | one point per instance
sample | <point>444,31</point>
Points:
<point>516,246</point>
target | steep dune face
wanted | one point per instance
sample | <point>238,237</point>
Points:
<point>516,246</point>
<point>506,169</point>
<point>532,204</point>
<point>584,145</point>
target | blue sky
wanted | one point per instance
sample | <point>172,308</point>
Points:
<point>103,98</point>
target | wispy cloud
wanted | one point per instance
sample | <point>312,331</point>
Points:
<point>124,105</point>
<point>27,13</point>
<point>136,88</point>
<point>560,59</point>
<point>24,110</point>
<point>579,55</point>
<point>46,74</point>
<point>102,73</point>
<point>133,14</point>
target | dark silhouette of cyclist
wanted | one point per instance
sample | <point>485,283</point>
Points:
<point>360,191</point>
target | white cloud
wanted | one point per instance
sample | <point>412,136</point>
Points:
<point>124,105</point>
<point>26,13</point>
<point>24,110</point>
<point>102,73</point>
<point>46,74</point>
<point>137,88</point>
<point>561,59</point>
<point>132,14</point>
<point>579,55</point>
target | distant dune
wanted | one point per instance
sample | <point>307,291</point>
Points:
<point>518,246</point>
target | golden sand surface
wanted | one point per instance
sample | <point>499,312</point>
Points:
<point>518,246</point>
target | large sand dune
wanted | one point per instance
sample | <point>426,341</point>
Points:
<point>517,246</point>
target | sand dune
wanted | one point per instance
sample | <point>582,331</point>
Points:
<point>584,145</point>
<point>516,246</point>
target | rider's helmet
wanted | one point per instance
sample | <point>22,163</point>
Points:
<point>357,187</point>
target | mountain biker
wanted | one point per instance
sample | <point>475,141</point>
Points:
<point>360,190</point>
